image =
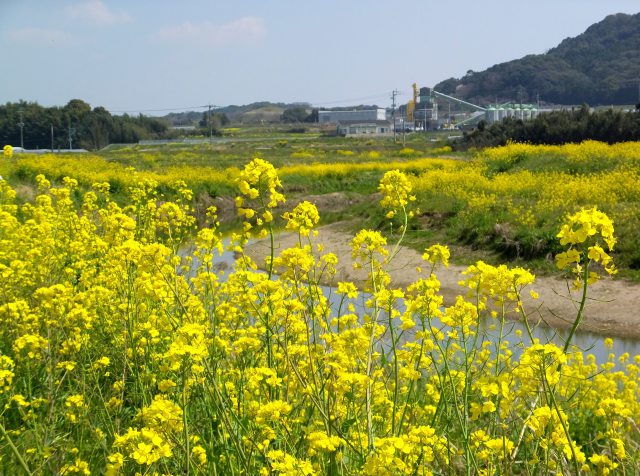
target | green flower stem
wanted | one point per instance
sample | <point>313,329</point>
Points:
<point>185,423</point>
<point>374,321</point>
<point>583,302</point>
<point>21,460</point>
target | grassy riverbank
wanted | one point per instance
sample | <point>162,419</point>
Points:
<point>498,204</point>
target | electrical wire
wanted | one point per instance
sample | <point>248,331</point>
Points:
<point>362,98</point>
<point>162,110</point>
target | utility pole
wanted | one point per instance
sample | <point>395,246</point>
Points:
<point>21,125</point>
<point>71,131</point>
<point>424,124</point>
<point>210,127</point>
<point>52,138</point>
<point>393,112</point>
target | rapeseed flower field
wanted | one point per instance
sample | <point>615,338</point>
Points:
<point>509,200</point>
<point>121,354</point>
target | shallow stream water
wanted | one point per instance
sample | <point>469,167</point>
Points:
<point>587,342</point>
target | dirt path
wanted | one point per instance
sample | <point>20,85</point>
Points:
<point>613,308</point>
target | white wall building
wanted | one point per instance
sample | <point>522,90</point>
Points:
<point>354,128</point>
<point>367,115</point>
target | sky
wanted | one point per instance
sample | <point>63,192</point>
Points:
<point>154,56</point>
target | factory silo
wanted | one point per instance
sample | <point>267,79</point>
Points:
<point>517,111</point>
<point>490,115</point>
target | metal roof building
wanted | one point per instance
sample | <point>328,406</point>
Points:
<point>351,128</point>
<point>365,115</point>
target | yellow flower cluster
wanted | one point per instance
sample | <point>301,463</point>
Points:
<point>435,254</point>
<point>585,224</point>
<point>396,190</point>
<point>76,406</point>
<point>162,415</point>
<point>345,169</point>
<point>497,284</point>
<point>144,446</point>
<point>303,218</point>
<point>284,464</point>
<point>6,373</point>
<point>549,426</point>
<point>583,232</point>
<point>412,453</point>
<point>77,467</point>
<point>260,180</point>
<point>319,441</point>
<point>366,244</point>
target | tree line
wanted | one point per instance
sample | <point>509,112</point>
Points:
<point>557,127</point>
<point>74,125</point>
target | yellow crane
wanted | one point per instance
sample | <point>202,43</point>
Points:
<point>411,105</point>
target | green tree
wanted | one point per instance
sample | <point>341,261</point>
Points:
<point>312,117</point>
<point>294,114</point>
<point>218,121</point>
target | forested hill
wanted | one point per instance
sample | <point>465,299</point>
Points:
<point>600,66</point>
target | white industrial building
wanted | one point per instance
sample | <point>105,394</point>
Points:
<point>365,115</point>
<point>353,128</point>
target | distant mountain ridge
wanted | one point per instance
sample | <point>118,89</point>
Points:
<point>599,66</point>
<point>255,111</point>
<point>249,113</point>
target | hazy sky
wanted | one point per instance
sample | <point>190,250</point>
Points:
<point>141,55</point>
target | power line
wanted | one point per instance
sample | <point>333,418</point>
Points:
<point>362,98</point>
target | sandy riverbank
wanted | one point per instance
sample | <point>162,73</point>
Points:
<point>613,308</point>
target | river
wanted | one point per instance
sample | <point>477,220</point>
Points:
<point>587,342</point>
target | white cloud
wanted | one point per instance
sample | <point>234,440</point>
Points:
<point>96,13</point>
<point>40,36</point>
<point>244,30</point>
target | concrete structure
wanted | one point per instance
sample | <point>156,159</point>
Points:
<point>354,128</point>
<point>20,150</point>
<point>183,128</point>
<point>492,114</point>
<point>402,124</point>
<point>365,115</point>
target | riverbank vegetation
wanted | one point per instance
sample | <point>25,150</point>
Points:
<point>500,204</point>
<point>120,355</point>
